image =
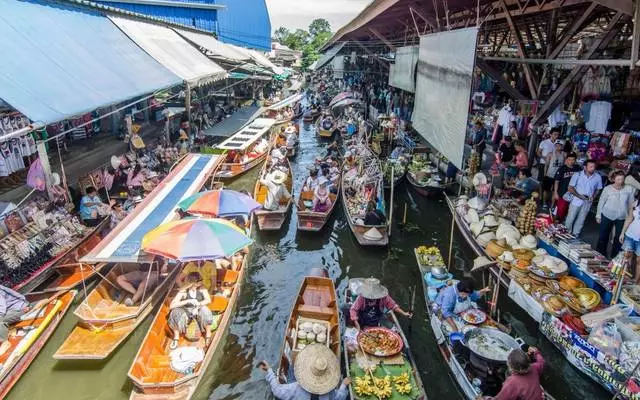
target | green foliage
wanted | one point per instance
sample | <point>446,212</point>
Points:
<point>309,42</point>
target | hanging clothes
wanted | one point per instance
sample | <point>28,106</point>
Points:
<point>599,115</point>
<point>557,118</point>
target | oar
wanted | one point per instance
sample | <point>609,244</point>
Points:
<point>413,302</point>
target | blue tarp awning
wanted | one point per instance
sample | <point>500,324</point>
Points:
<point>59,61</point>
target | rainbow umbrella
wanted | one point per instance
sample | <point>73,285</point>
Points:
<point>195,239</point>
<point>219,203</point>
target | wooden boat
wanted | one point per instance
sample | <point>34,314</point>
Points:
<point>272,220</point>
<point>406,353</point>
<point>243,141</point>
<point>359,229</point>
<point>151,372</point>
<point>65,269</point>
<point>309,220</point>
<point>426,190</point>
<point>325,133</point>
<point>48,311</point>
<point>399,173</point>
<point>280,141</point>
<point>316,303</point>
<point>104,321</point>
<point>292,101</point>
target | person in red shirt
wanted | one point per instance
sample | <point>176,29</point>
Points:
<point>524,381</point>
<point>522,159</point>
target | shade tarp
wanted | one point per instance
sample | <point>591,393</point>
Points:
<point>216,48</point>
<point>443,90</point>
<point>259,59</point>
<point>327,57</point>
<point>172,51</point>
<point>58,62</point>
<point>248,135</point>
<point>123,244</point>
<point>402,73</point>
<point>287,102</point>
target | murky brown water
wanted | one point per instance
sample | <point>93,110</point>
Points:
<point>279,261</point>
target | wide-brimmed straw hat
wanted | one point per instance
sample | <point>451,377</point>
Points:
<point>317,369</point>
<point>372,289</point>
<point>278,177</point>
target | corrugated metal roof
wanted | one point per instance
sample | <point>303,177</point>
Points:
<point>196,18</point>
<point>245,23</point>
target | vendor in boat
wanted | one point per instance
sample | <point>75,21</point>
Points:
<point>190,303</point>
<point>291,138</point>
<point>458,298</point>
<point>90,207</point>
<point>372,303</point>
<point>523,382</point>
<point>13,306</point>
<point>332,149</point>
<point>349,160</point>
<point>312,181</point>
<point>321,199</point>
<point>317,376</point>
<point>327,122</point>
<point>276,189</point>
<point>374,216</point>
<point>143,280</point>
<point>207,271</point>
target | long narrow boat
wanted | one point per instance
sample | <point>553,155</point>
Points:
<point>361,231</point>
<point>316,303</point>
<point>425,190</point>
<point>33,333</point>
<point>314,221</point>
<point>279,141</point>
<point>272,220</point>
<point>66,267</point>
<point>151,372</point>
<point>292,101</point>
<point>243,142</point>
<point>105,321</point>
<point>418,392</point>
<point>325,133</point>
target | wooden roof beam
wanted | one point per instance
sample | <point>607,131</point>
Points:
<point>384,40</point>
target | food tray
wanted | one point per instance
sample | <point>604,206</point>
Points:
<point>474,316</point>
<point>386,331</point>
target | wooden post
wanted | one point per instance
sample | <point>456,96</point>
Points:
<point>391,201</point>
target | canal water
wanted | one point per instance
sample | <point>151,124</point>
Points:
<point>278,263</point>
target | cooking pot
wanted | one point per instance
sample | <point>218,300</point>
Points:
<point>439,272</point>
<point>494,334</point>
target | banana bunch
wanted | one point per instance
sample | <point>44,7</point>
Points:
<point>402,383</point>
<point>383,387</point>
<point>430,251</point>
<point>363,386</point>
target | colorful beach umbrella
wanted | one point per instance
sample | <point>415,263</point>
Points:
<point>195,239</point>
<point>219,203</point>
<point>340,96</point>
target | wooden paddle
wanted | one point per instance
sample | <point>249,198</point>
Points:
<point>413,302</point>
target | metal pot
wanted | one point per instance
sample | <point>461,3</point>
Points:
<point>439,272</point>
<point>493,334</point>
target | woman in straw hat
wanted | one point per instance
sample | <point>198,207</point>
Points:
<point>321,199</point>
<point>275,189</point>
<point>317,373</point>
<point>372,303</point>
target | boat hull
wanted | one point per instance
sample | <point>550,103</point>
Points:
<point>232,170</point>
<point>360,230</point>
<point>425,190</point>
<point>272,220</point>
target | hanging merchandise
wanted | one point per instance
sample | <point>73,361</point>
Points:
<point>36,176</point>
<point>597,115</point>
<point>619,143</point>
<point>557,118</point>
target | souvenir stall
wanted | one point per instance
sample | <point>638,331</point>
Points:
<point>17,148</point>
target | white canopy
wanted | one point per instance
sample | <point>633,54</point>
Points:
<point>326,57</point>
<point>248,135</point>
<point>172,51</point>
<point>214,46</point>
<point>287,102</point>
<point>261,60</point>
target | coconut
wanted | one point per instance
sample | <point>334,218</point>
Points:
<point>311,337</point>
<point>306,326</point>
<point>321,338</point>
<point>318,328</point>
<point>301,346</point>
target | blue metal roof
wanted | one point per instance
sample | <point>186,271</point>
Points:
<point>197,18</point>
<point>60,61</point>
<point>245,23</point>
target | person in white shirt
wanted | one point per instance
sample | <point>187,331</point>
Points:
<point>276,189</point>
<point>630,236</point>
<point>612,210</point>
<point>545,148</point>
<point>583,189</point>
<point>311,182</point>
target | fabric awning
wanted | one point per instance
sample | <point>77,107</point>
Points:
<point>172,51</point>
<point>328,56</point>
<point>123,243</point>
<point>247,135</point>
<point>259,59</point>
<point>286,102</point>
<point>216,48</point>
<point>59,61</point>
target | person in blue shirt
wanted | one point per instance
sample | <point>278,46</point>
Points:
<point>89,207</point>
<point>526,183</point>
<point>456,299</point>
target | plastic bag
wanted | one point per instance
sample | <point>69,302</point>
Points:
<point>606,338</point>
<point>610,313</point>
<point>35,177</point>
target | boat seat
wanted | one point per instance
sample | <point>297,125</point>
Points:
<point>160,361</point>
<point>229,277</point>
<point>306,308</point>
<point>218,303</point>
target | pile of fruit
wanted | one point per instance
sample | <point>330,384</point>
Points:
<point>527,217</point>
<point>429,256</point>
<point>382,388</point>
<point>402,383</point>
<point>474,163</point>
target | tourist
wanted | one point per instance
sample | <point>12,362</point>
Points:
<point>371,305</point>
<point>506,151</point>
<point>312,181</point>
<point>545,148</point>
<point>614,204</point>
<point>523,382</point>
<point>117,214</point>
<point>317,375</point>
<point>525,183</point>
<point>207,271</point>
<point>630,236</point>
<point>374,216</point>
<point>276,190</point>
<point>13,306</point>
<point>188,304</point>
<point>321,199</point>
<point>513,131</point>
<point>583,189</point>
<point>135,177</point>
<point>457,298</point>
<point>478,140</point>
<point>141,281</point>
<point>552,164</point>
<point>522,159</point>
<point>561,185</point>
<point>90,207</point>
